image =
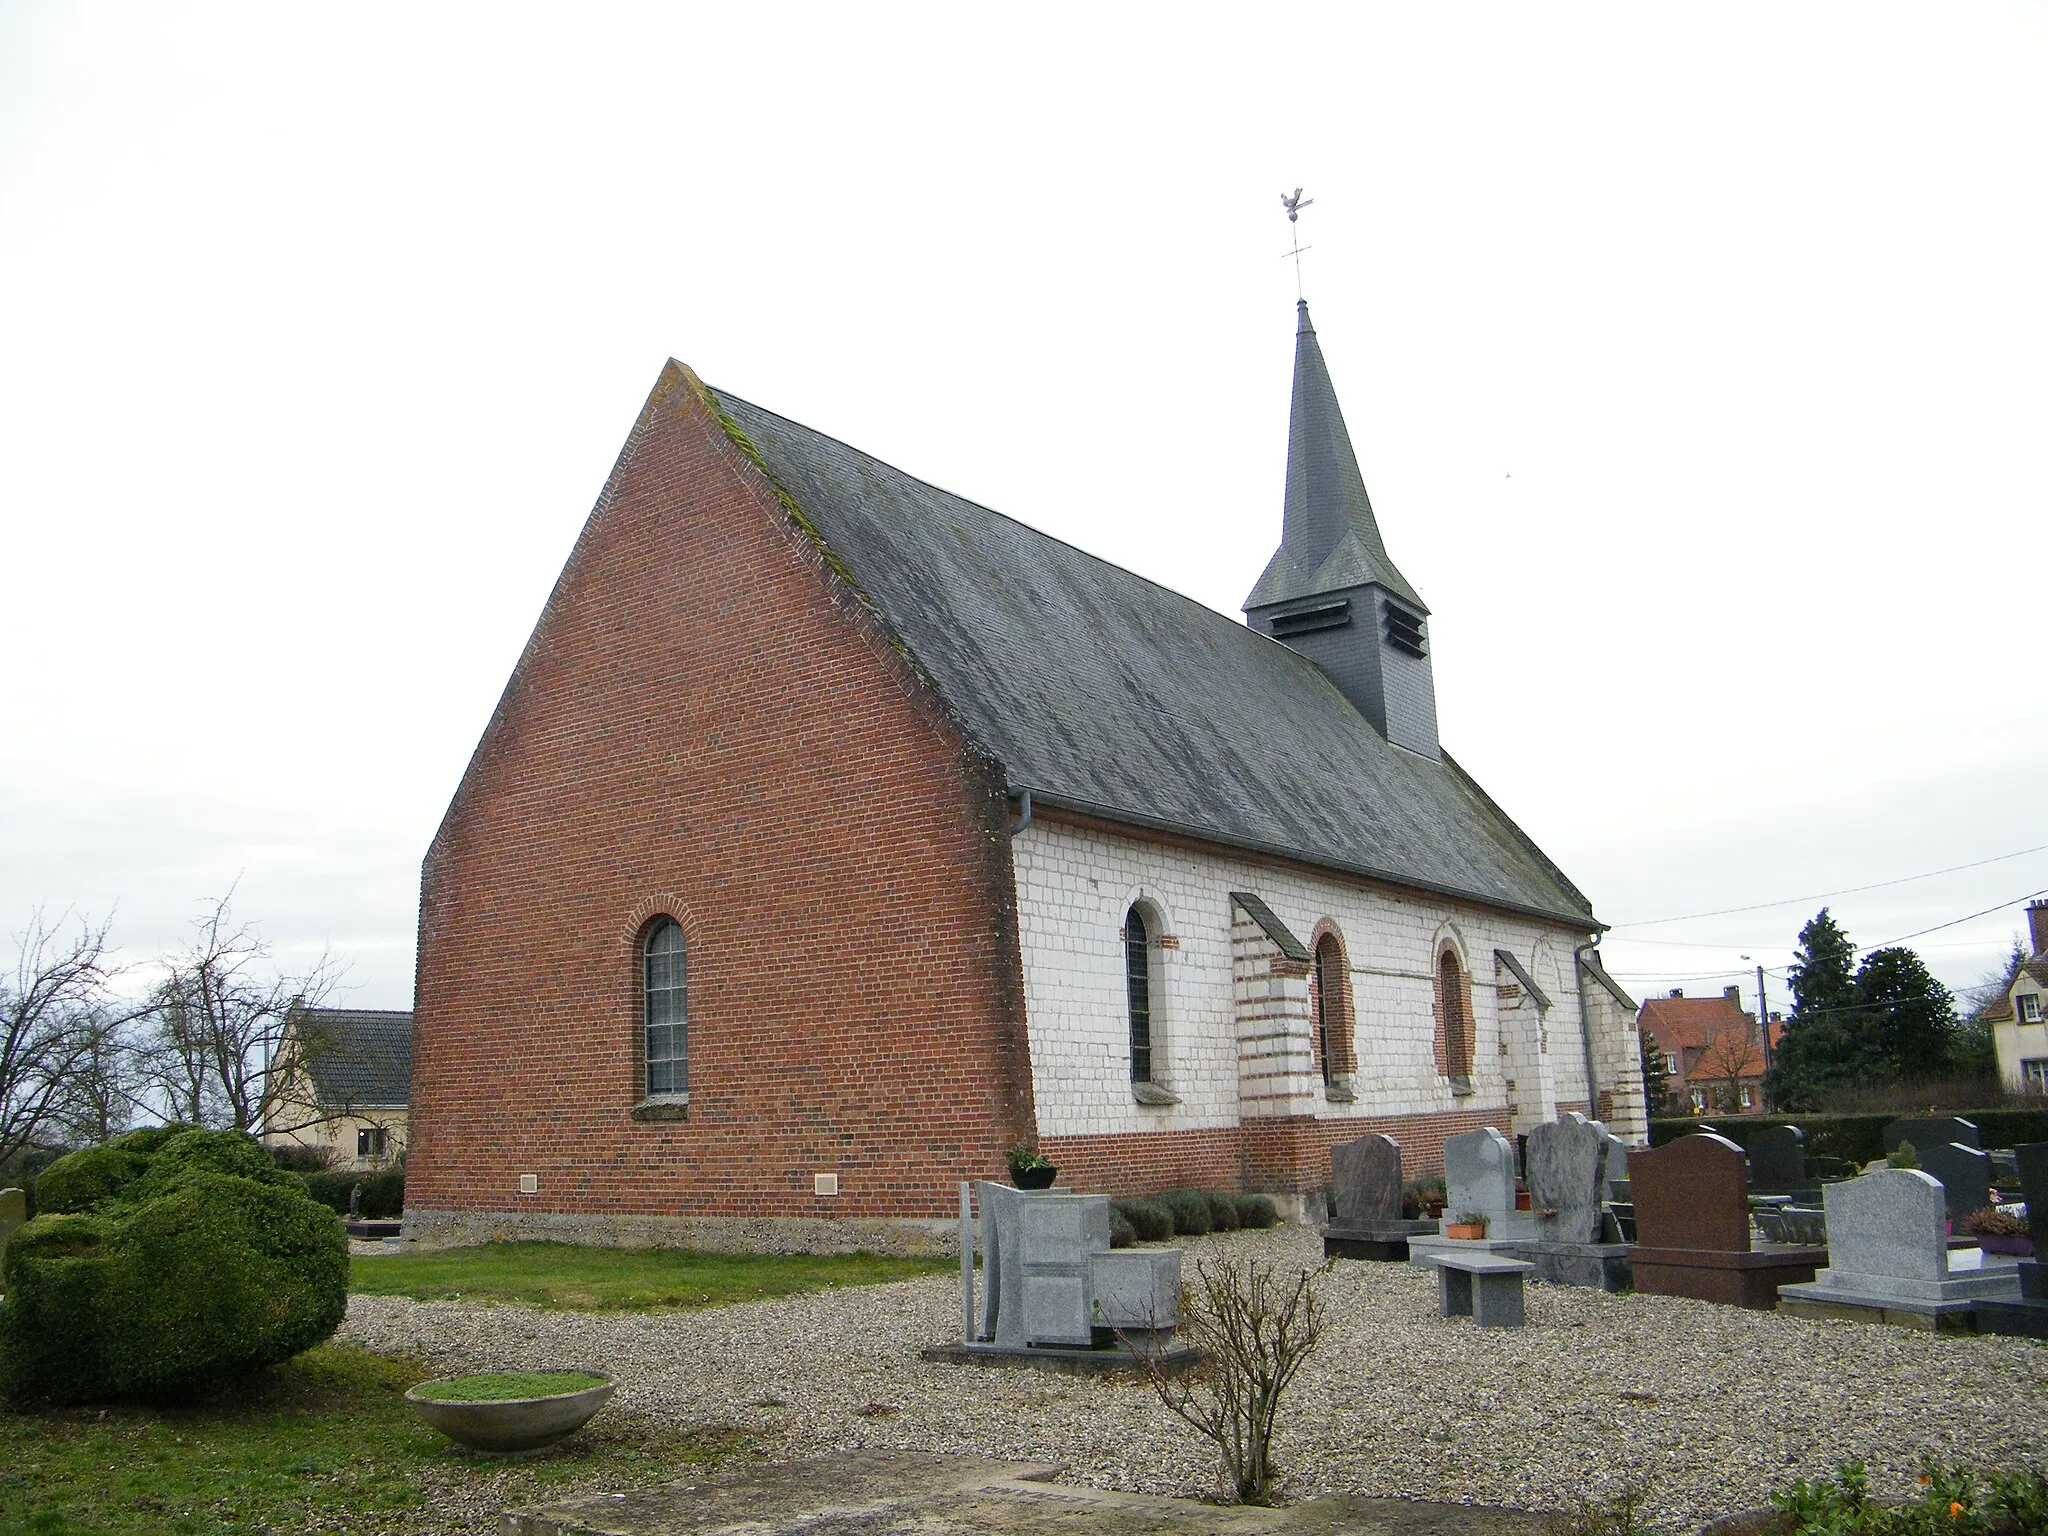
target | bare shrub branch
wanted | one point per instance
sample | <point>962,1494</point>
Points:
<point>1255,1330</point>
<point>61,1032</point>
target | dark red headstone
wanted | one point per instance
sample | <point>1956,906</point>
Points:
<point>1691,1193</point>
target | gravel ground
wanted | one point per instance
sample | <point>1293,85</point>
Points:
<point>1705,1407</point>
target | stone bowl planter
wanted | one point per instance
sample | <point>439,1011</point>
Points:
<point>510,1424</point>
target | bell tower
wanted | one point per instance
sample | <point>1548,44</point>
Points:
<point>1331,591</point>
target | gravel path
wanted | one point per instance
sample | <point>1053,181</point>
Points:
<point>1704,1406</point>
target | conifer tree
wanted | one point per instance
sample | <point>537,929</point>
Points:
<point>1825,1048</point>
<point>1909,1015</point>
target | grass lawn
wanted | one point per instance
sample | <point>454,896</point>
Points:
<point>564,1275</point>
<point>320,1444</point>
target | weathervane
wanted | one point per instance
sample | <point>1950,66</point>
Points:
<point>1294,202</point>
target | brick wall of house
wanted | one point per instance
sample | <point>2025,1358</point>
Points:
<point>708,724</point>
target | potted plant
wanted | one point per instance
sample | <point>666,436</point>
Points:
<point>1031,1169</point>
<point>1425,1197</point>
<point>1470,1226</point>
<point>1998,1232</point>
<point>511,1410</point>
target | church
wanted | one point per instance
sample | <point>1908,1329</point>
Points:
<point>835,834</point>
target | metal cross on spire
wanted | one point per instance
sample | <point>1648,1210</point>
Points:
<point>1294,202</point>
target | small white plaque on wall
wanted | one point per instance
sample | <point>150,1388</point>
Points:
<point>529,1183</point>
<point>825,1183</point>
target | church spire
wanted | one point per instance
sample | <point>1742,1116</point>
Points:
<point>1331,591</point>
<point>1329,539</point>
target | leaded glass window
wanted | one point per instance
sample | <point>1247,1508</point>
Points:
<point>1138,985</point>
<point>668,1046</point>
<point>1329,1001</point>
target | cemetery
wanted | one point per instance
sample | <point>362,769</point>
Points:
<point>1607,1332</point>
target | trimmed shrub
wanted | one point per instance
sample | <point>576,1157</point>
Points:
<point>1257,1211</point>
<point>182,1279</point>
<point>1121,1233</point>
<point>84,1179</point>
<point>383,1192</point>
<point>1190,1211</point>
<point>1223,1212</point>
<point>294,1158</point>
<point>1152,1221</point>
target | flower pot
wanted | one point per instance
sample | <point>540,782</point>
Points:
<point>2004,1242</point>
<point>1521,1200</point>
<point>1468,1231</point>
<point>1033,1178</point>
<point>1434,1210</point>
<point>511,1424</point>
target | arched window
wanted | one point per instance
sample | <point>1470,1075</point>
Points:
<point>1138,987</point>
<point>1331,1017</point>
<point>665,1010</point>
<point>1457,1014</point>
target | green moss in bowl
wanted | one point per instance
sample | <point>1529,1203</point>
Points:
<point>507,1386</point>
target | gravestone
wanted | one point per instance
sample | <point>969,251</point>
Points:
<point>1777,1159</point>
<point>1935,1131</point>
<point>1365,1181</point>
<point>1365,1195</point>
<point>1963,1172</point>
<point>2033,1160</point>
<point>1617,1163</point>
<point>1692,1228</point>
<point>1479,1175</point>
<point>1692,1193</point>
<point>1050,1282</point>
<point>1567,1172</point>
<point>2028,1316</point>
<point>13,1212</point>
<point>1889,1259</point>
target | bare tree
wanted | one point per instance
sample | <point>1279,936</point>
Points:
<point>1730,1055</point>
<point>1255,1331</point>
<point>57,1021</point>
<point>222,1041</point>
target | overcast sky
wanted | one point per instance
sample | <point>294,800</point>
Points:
<point>1694,356</point>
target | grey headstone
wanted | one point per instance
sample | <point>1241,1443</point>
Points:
<point>13,1212</point>
<point>1889,1224</point>
<point>1617,1163</point>
<point>1479,1174</point>
<point>1938,1130</point>
<point>1777,1158</point>
<point>1136,1288</point>
<point>1567,1167</point>
<point>1365,1181</point>
<point>1036,1283</point>
<point>1965,1175</point>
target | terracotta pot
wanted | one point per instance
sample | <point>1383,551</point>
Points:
<point>1469,1231</point>
<point>1434,1210</point>
<point>1521,1200</point>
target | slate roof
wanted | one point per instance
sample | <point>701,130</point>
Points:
<point>1105,693</point>
<point>357,1056</point>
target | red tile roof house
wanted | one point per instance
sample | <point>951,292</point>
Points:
<point>835,833</point>
<point>1713,1052</point>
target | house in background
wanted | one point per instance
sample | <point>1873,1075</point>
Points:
<point>1713,1052</point>
<point>2019,1018</point>
<point>348,1085</point>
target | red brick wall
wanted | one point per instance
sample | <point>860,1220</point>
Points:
<point>708,722</point>
<point>1280,1156</point>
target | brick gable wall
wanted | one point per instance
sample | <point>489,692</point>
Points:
<point>709,723</point>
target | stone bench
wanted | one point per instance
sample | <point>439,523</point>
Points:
<point>1481,1286</point>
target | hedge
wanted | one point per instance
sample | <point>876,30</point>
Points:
<point>1151,1221</point>
<point>1190,1210</point>
<point>1857,1138</point>
<point>187,1274</point>
<point>383,1192</point>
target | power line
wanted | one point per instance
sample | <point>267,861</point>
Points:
<point>1763,906</point>
<point>1953,921</point>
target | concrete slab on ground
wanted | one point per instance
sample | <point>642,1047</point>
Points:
<point>901,1493</point>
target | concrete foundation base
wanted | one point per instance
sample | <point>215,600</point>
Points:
<point>1733,1279</point>
<point>1173,1360</point>
<point>707,1234</point>
<point>1596,1266</point>
<point>1385,1241</point>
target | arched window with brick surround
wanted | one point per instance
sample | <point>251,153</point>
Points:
<point>1454,1016</point>
<point>1330,1004</point>
<point>665,1010</point>
<point>1138,992</point>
